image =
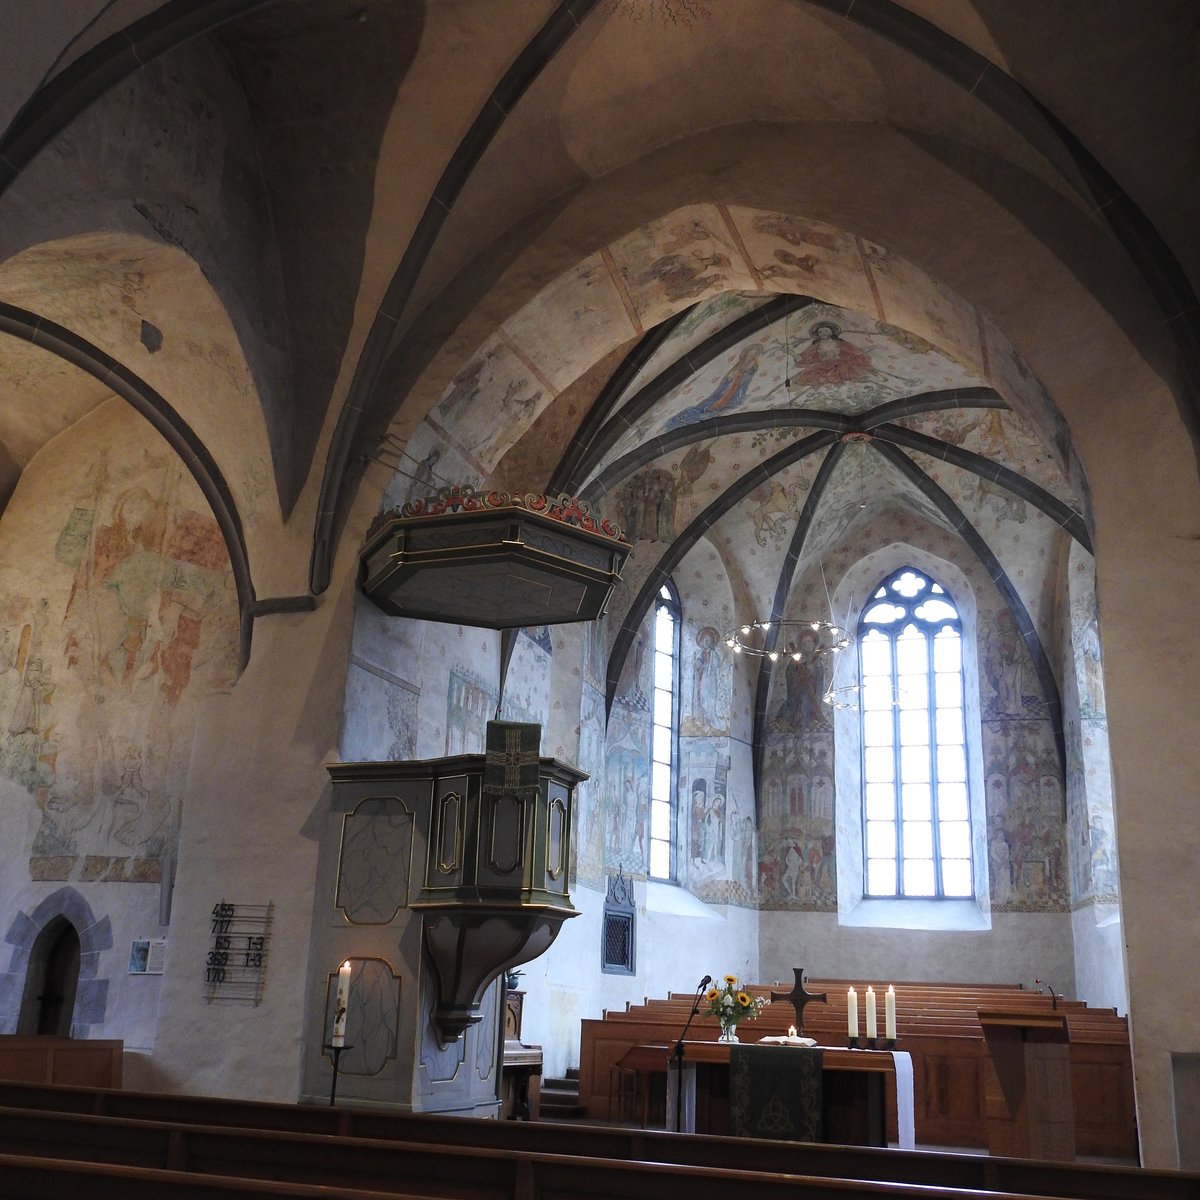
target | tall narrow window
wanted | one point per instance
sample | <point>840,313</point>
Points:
<point>916,817</point>
<point>664,751</point>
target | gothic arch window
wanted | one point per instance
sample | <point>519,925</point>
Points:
<point>664,755</point>
<point>916,809</point>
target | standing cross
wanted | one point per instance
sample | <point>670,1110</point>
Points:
<point>799,997</point>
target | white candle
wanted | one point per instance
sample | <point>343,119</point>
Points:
<point>791,1031</point>
<point>889,1014</point>
<point>872,1025</point>
<point>852,1013</point>
<point>343,1002</point>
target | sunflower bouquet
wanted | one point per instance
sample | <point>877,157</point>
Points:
<point>731,1004</point>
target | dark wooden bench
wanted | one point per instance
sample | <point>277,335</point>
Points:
<point>23,1177</point>
<point>970,1172</point>
<point>239,1163</point>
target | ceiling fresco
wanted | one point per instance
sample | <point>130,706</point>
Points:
<point>998,435</point>
<point>747,419</point>
<point>695,326</point>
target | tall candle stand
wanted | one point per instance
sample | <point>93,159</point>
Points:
<point>337,1062</point>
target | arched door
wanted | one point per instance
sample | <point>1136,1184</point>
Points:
<point>53,977</point>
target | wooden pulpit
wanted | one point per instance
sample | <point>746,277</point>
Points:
<point>1029,1111</point>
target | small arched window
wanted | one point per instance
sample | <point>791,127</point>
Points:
<point>665,738</point>
<point>916,815</point>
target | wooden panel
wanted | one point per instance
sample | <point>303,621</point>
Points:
<point>88,1065</point>
<point>1102,1085</point>
<point>29,1064</point>
<point>948,1083</point>
<point>61,1060</point>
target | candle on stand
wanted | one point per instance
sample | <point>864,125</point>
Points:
<point>889,1014</point>
<point>852,1013</point>
<point>343,1002</point>
<point>872,1025</point>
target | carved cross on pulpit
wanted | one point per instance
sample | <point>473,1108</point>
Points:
<point>512,758</point>
<point>511,762</point>
<point>799,996</point>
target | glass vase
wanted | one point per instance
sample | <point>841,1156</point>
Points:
<point>728,1034</point>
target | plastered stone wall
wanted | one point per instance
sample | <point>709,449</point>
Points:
<point>119,620</point>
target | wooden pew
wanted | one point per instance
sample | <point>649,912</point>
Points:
<point>27,1178</point>
<point>364,1164</point>
<point>584,1141</point>
<point>938,1024</point>
<point>261,1163</point>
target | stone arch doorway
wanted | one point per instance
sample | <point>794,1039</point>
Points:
<point>52,980</point>
<point>34,938</point>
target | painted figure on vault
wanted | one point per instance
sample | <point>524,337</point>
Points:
<point>831,360</point>
<point>804,687</point>
<point>729,395</point>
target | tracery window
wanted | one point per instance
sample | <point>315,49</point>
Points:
<point>665,738</point>
<point>916,815</point>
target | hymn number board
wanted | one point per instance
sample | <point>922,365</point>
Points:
<point>236,966</point>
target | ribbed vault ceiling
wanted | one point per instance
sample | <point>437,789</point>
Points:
<point>771,428</point>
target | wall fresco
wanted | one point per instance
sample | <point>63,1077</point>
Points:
<point>706,782</point>
<point>706,694</point>
<point>588,843</point>
<point>1089,789</point>
<point>470,704</point>
<point>1024,776</point>
<point>627,762</point>
<point>136,622</point>
<point>797,866</point>
<point>527,685</point>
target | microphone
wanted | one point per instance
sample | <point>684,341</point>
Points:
<point>704,983</point>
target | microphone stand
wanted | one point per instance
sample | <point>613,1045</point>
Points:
<point>677,1055</point>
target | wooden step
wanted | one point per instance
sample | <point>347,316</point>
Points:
<point>560,1099</point>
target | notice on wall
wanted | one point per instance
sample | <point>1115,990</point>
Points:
<point>235,968</point>
<point>146,956</point>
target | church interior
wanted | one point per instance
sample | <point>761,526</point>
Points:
<point>839,316</point>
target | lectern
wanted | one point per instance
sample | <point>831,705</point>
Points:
<point>1028,1108</point>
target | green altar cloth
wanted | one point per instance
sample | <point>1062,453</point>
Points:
<point>775,1092</point>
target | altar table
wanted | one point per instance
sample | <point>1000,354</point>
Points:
<point>855,1084</point>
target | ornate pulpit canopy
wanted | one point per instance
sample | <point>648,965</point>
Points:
<point>493,559</point>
